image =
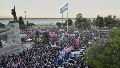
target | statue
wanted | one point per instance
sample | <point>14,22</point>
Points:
<point>14,14</point>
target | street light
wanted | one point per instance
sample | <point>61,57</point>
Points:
<point>25,14</point>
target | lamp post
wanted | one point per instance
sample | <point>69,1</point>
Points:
<point>25,14</point>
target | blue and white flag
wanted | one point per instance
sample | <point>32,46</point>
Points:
<point>63,9</point>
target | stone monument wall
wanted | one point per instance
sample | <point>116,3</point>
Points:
<point>13,43</point>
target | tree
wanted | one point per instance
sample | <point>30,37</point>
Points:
<point>11,21</point>
<point>118,23</point>
<point>64,24</point>
<point>110,22</point>
<point>59,24</point>
<point>79,16</point>
<point>21,23</point>
<point>30,24</point>
<point>2,25</point>
<point>70,22</point>
<point>99,21</point>
<point>82,23</point>
<point>106,54</point>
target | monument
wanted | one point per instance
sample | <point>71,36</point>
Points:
<point>14,14</point>
<point>11,40</point>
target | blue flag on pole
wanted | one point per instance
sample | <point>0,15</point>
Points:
<point>63,9</point>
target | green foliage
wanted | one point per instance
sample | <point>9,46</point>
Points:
<point>79,16</point>
<point>59,24</point>
<point>64,24</point>
<point>11,21</point>
<point>105,54</point>
<point>99,21</point>
<point>82,23</point>
<point>30,24</point>
<point>118,23</point>
<point>108,21</point>
<point>2,25</point>
<point>70,22</point>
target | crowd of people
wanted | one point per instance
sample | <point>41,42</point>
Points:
<point>56,55</point>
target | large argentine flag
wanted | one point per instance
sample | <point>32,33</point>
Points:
<point>63,9</point>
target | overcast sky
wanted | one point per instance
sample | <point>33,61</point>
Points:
<point>50,8</point>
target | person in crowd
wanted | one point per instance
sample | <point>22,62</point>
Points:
<point>44,55</point>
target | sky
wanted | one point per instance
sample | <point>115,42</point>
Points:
<point>51,8</point>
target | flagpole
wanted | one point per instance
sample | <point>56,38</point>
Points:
<point>67,20</point>
<point>62,19</point>
<point>63,9</point>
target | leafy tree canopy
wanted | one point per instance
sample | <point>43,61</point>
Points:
<point>30,24</point>
<point>2,25</point>
<point>59,24</point>
<point>105,54</point>
<point>70,22</point>
<point>109,21</point>
<point>82,23</point>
